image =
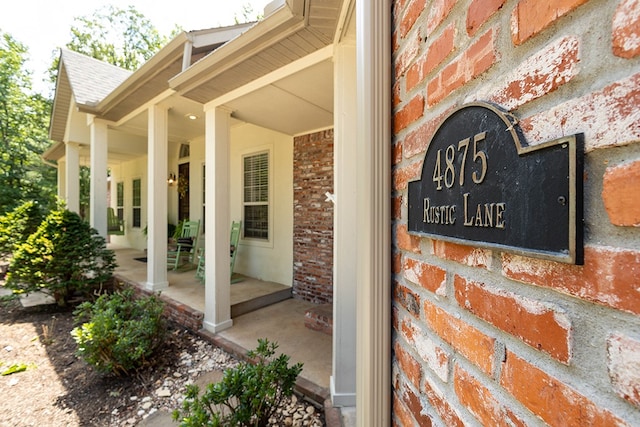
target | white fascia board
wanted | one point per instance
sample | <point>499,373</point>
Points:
<point>213,36</point>
<point>257,38</point>
<point>346,13</point>
<point>53,153</point>
<point>165,56</point>
<point>144,107</point>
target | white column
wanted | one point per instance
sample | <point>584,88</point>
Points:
<point>345,251</point>
<point>62,179</point>
<point>72,176</point>
<point>98,188</point>
<point>157,146</point>
<point>373,212</point>
<point>217,293</point>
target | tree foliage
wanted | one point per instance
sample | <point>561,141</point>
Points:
<point>16,226</point>
<point>64,256</point>
<point>248,14</point>
<point>24,121</point>
<point>121,37</point>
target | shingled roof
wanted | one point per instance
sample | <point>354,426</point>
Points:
<point>91,80</point>
<point>111,92</point>
<point>87,79</point>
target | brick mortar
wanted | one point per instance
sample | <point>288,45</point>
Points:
<point>578,295</point>
<point>313,217</point>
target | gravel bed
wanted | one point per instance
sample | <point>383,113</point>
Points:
<point>205,359</point>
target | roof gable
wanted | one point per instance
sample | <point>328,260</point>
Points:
<point>91,80</point>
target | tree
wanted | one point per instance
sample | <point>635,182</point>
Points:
<point>248,14</point>
<point>16,226</point>
<point>121,37</point>
<point>24,120</point>
<point>63,257</point>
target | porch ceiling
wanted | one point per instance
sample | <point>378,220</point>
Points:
<point>295,104</point>
<point>128,140</point>
<point>181,128</point>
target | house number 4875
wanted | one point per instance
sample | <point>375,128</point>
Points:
<point>447,172</point>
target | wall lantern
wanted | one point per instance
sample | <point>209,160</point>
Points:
<point>172,179</point>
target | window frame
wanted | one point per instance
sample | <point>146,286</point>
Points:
<point>256,241</point>
<point>120,200</point>
<point>135,206</point>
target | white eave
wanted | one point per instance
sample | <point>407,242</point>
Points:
<point>294,30</point>
<point>112,92</point>
<point>152,78</point>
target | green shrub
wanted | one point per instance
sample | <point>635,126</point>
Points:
<point>16,226</point>
<point>63,257</point>
<point>118,333</point>
<point>248,395</point>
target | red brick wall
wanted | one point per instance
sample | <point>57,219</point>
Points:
<point>484,337</point>
<point>313,217</point>
<point>175,311</point>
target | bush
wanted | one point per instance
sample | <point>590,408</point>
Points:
<point>16,226</point>
<point>63,257</point>
<point>248,395</point>
<point>118,333</point>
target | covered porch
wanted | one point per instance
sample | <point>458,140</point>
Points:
<point>259,309</point>
<point>246,100</point>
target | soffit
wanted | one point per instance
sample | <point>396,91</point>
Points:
<point>293,105</point>
<point>143,92</point>
<point>281,42</point>
<point>61,104</point>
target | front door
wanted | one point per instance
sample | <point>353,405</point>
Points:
<point>183,191</point>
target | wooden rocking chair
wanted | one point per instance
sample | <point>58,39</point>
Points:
<point>186,245</point>
<point>233,250</point>
<point>115,226</point>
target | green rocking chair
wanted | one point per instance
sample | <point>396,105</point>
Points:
<point>115,226</point>
<point>233,250</point>
<point>187,243</point>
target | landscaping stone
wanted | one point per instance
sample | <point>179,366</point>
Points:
<point>205,365</point>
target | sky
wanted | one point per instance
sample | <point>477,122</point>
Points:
<point>44,25</point>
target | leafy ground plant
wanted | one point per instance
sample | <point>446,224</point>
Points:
<point>248,395</point>
<point>14,369</point>
<point>118,333</point>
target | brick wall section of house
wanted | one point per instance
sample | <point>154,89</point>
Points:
<point>485,337</point>
<point>175,311</point>
<point>313,217</point>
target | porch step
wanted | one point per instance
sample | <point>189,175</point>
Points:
<point>259,302</point>
<point>320,318</point>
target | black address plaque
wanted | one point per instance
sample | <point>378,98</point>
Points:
<point>482,184</point>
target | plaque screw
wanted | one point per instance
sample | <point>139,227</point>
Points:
<point>562,200</point>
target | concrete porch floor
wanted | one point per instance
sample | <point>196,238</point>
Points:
<point>281,322</point>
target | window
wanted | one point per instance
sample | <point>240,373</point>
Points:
<point>185,151</point>
<point>120,200</point>
<point>256,196</point>
<point>136,203</point>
